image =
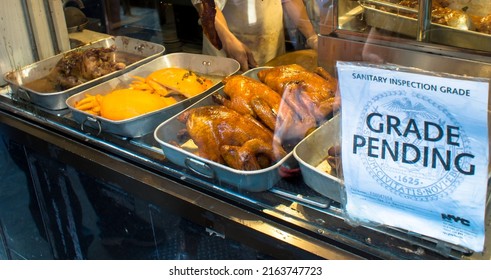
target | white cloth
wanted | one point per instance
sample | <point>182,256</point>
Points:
<point>256,23</point>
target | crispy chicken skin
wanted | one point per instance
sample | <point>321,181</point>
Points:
<point>227,137</point>
<point>249,96</point>
<point>317,89</point>
<point>309,95</point>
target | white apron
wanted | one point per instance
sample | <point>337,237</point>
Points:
<point>256,23</point>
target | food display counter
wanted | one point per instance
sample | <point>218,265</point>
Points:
<point>288,221</point>
<point>74,172</point>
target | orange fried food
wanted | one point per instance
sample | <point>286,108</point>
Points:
<point>249,96</point>
<point>127,103</point>
<point>168,81</point>
<point>123,104</point>
<point>227,137</point>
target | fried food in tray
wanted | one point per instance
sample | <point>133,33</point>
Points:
<point>232,134</point>
<point>401,20</point>
<point>48,83</point>
<point>133,104</point>
<point>173,80</point>
<point>226,136</point>
<point>160,89</point>
<point>446,12</point>
<point>83,65</point>
<point>308,100</point>
<point>249,126</point>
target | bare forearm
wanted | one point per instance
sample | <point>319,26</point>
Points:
<point>295,9</point>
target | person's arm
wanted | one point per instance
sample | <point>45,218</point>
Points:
<point>232,46</point>
<point>296,11</point>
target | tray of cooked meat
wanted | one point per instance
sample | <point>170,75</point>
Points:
<point>451,25</point>
<point>243,134</point>
<point>319,158</point>
<point>134,103</point>
<point>49,82</point>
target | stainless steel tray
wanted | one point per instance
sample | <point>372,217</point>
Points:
<point>56,100</point>
<point>254,181</point>
<point>311,151</point>
<point>440,34</point>
<point>217,67</point>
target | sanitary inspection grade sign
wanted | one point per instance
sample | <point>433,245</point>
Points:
<point>415,151</point>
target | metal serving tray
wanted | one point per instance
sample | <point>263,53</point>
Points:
<point>440,34</point>
<point>211,66</point>
<point>56,100</point>
<point>254,181</point>
<point>311,151</point>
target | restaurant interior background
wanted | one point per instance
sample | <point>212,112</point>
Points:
<point>23,233</point>
<point>173,23</point>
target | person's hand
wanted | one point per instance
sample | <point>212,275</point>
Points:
<point>237,50</point>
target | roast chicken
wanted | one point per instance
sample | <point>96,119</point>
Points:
<point>249,96</point>
<point>256,121</point>
<point>317,92</point>
<point>309,99</point>
<point>227,137</point>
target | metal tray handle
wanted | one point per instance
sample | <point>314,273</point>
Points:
<point>21,94</point>
<point>92,120</point>
<point>196,166</point>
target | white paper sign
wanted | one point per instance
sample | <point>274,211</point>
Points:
<point>415,151</point>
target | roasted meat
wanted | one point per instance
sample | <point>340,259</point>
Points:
<point>308,99</point>
<point>316,91</point>
<point>249,96</point>
<point>80,66</point>
<point>464,15</point>
<point>208,23</point>
<point>483,24</point>
<point>454,18</point>
<point>227,137</point>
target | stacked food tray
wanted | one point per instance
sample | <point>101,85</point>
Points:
<point>209,66</point>
<point>397,20</point>
<point>143,51</point>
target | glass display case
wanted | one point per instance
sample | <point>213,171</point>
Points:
<point>78,178</point>
<point>441,36</point>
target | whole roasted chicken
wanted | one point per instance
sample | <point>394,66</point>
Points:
<point>227,137</point>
